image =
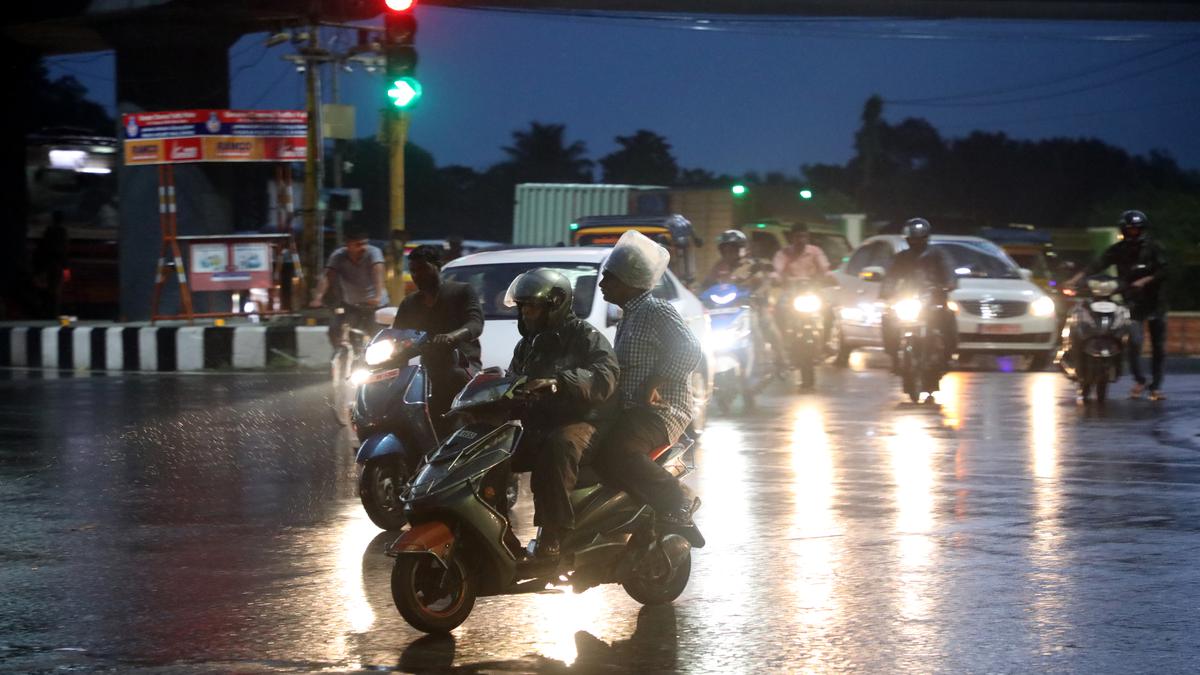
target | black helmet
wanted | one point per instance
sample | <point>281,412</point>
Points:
<point>917,228</point>
<point>1132,224</point>
<point>731,237</point>
<point>542,285</point>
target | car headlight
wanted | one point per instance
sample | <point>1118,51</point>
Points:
<point>907,310</point>
<point>380,352</point>
<point>359,377</point>
<point>1043,306</point>
<point>952,306</point>
<point>807,303</point>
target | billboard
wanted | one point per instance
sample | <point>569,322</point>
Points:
<point>183,136</point>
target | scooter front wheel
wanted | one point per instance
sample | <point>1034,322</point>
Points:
<point>660,591</point>
<point>379,487</point>
<point>431,597</point>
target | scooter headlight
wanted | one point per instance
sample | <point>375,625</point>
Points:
<point>807,303</point>
<point>1042,307</point>
<point>907,310</point>
<point>380,352</point>
<point>359,377</point>
<point>722,298</point>
<point>724,340</point>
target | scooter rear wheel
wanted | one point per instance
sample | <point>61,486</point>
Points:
<point>430,597</point>
<point>660,591</point>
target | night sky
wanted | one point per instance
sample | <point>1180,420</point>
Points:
<point>753,95</point>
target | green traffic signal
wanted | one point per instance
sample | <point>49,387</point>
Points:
<point>738,190</point>
<point>806,194</point>
<point>405,92</point>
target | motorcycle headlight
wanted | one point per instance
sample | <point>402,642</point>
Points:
<point>807,303</point>
<point>724,299</point>
<point>953,306</point>
<point>1042,307</point>
<point>380,352</point>
<point>359,377</point>
<point>723,340</point>
<point>907,310</point>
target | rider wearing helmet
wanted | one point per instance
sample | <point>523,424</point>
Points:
<point>1142,268</point>
<point>922,267</point>
<point>734,266</point>
<point>574,368</point>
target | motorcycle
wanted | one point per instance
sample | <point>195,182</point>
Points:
<point>804,331</point>
<point>461,545</point>
<point>1095,336</point>
<point>732,338</point>
<point>922,344</point>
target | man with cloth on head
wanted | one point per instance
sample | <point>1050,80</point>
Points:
<point>573,367</point>
<point>657,354</point>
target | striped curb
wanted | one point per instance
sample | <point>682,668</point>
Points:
<point>163,348</point>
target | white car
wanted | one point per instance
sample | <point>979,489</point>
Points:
<point>999,310</point>
<point>491,272</point>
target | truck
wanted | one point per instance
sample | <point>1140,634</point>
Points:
<point>543,212</point>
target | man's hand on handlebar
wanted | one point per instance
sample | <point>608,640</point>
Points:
<point>544,385</point>
<point>316,303</point>
<point>442,340</point>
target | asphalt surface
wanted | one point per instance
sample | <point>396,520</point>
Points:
<point>209,523</point>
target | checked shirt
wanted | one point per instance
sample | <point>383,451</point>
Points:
<point>654,344</point>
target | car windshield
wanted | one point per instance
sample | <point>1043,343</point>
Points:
<point>491,282</point>
<point>979,260</point>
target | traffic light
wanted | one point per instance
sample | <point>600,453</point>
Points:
<point>400,31</point>
<point>738,190</point>
<point>806,194</point>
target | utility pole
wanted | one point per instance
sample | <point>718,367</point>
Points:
<point>314,174</point>
<point>338,215</point>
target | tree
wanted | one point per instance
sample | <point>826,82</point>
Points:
<point>541,155</point>
<point>644,158</point>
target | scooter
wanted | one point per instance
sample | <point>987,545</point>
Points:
<point>922,344</point>
<point>461,545</point>
<point>1095,336</point>
<point>391,416</point>
<point>804,331</point>
<point>732,338</point>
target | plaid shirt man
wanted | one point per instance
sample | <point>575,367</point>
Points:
<point>654,344</point>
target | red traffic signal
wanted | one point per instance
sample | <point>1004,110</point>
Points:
<point>399,5</point>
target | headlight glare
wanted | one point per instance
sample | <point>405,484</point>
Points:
<point>1043,307</point>
<point>359,377</point>
<point>807,303</point>
<point>380,352</point>
<point>908,310</point>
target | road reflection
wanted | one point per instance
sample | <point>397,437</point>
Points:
<point>815,537</point>
<point>1047,551</point>
<point>911,449</point>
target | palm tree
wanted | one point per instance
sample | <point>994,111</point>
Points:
<point>645,157</point>
<point>540,155</point>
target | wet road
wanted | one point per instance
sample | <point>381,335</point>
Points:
<point>210,523</point>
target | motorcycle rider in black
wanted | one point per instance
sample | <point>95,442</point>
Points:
<point>557,348</point>
<point>449,311</point>
<point>1142,268</point>
<point>924,267</point>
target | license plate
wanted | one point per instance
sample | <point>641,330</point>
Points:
<point>383,375</point>
<point>1000,328</point>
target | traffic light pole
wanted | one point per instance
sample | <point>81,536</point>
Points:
<point>397,138</point>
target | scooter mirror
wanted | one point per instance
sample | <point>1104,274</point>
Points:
<point>384,316</point>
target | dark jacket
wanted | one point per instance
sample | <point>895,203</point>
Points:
<point>456,308</point>
<point>930,269</point>
<point>1134,260</point>
<point>583,362</point>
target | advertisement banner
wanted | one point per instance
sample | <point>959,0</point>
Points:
<point>230,266</point>
<point>182,136</point>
